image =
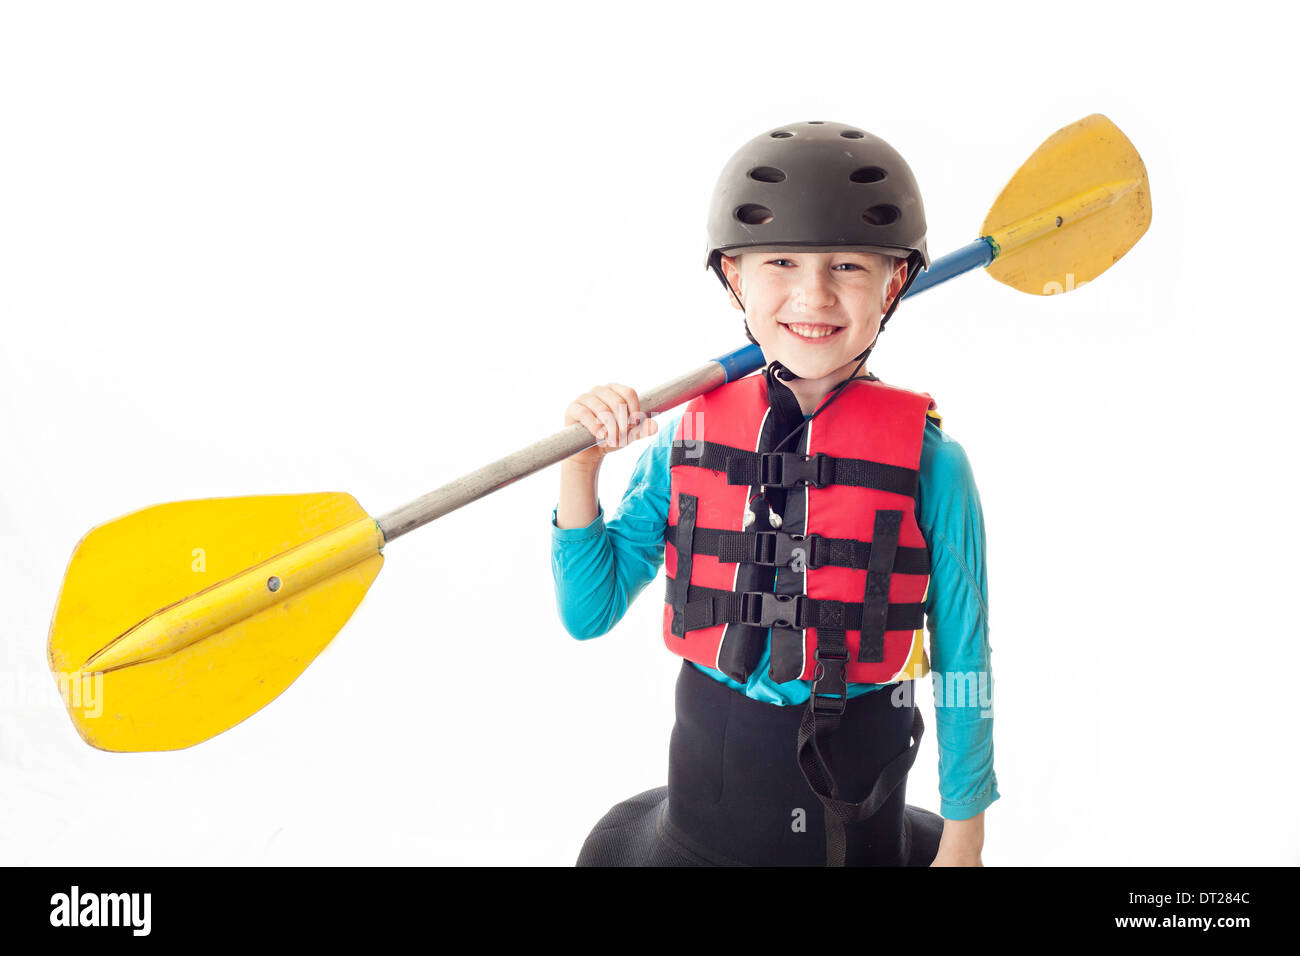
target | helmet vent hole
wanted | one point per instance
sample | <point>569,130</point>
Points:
<point>851,134</point>
<point>881,215</point>
<point>867,174</point>
<point>816,122</point>
<point>782,134</point>
<point>752,214</point>
<point>767,174</point>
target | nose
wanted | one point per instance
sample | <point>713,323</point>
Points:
<point>815,292</point>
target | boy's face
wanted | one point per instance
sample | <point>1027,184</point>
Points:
<point>814,311</point>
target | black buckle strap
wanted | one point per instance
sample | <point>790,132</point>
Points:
<point>782,549</point>
<point>830,690</point>
<point>813,751</point>
<point>765,609</point>
<point>787,469</point>
<point>707,607</point>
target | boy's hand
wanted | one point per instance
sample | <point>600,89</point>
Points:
<point>961,842</point>
<point>612,413</point>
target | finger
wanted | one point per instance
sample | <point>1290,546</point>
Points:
<point>605,415</point>
<point>610,428</point>
<point>640,419</point>
<point>618,405</point>
<point>634,413</point>
<point>579,412</point>
<point>629,395</point>
<point>643,429</point>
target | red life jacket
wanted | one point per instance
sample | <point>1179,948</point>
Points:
<point>842,579</point>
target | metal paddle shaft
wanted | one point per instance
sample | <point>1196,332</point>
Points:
<point>563,444</point>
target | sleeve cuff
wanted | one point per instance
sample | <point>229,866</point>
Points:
<point>964,811</point>
<point>593,530</point>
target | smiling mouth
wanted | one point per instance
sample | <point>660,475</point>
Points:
<point>815,332</point>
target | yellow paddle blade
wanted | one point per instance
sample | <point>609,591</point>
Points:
<point>1069,213</point>
<point>176,622</point>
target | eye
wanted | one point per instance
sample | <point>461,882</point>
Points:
<point>773,262</point>
<point>851,265</point>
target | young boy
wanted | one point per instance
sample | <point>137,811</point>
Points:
<point>807,517</point>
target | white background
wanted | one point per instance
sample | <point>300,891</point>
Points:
<point>270,247</point>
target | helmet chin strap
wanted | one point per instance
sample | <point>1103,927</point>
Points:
<point>788,415</point>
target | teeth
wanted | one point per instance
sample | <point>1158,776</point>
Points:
<point>813,331</point>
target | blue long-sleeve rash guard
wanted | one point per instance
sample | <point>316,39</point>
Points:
<point>600,569</point>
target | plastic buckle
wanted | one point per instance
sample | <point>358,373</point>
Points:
<point>771,470</point>
<point>789,470</point>
<point>829,682</point>
<point>796,551</point>
<point>819,469</point>
<point>782,549</point>
<point>765,609</point>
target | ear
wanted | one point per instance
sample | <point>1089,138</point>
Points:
<point>896,281</point>
<point>731,269</point>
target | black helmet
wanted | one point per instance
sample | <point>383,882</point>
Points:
<point>826,186</point>
<point>823,186</point>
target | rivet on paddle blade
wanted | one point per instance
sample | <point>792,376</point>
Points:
<point>273,583</point>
